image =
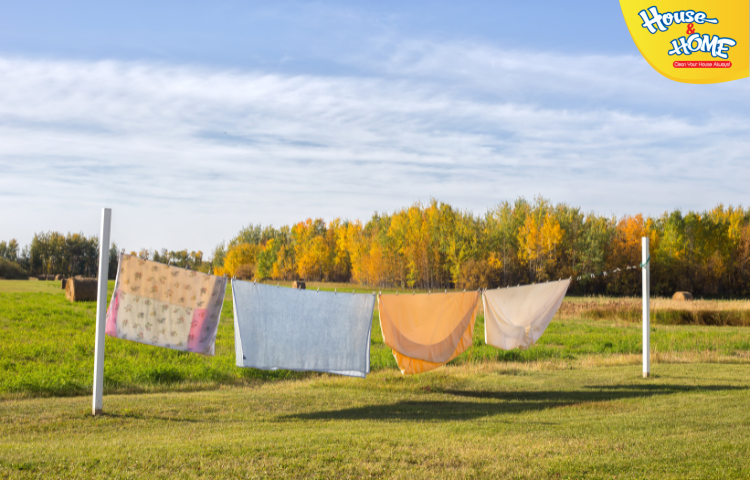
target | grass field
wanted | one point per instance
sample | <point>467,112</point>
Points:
<point>470,421</point>
<point>572,406</point>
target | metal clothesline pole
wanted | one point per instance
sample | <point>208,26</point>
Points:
<point>101,311</point>
<point>646,272</point>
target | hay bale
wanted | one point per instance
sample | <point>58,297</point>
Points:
<point>79,289</point>
<point>64,283</point>
<point>59,277</point>
<point>682,296</point>
<point>298,284</point>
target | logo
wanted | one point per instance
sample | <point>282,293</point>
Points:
<point>692,42</point>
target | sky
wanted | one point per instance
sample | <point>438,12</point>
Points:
<point>193,119</point>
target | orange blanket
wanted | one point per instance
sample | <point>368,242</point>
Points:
<point>426,331</point>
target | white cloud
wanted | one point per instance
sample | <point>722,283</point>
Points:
<point>187,155</point>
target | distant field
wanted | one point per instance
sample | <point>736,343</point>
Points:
<point>663,310</point>
<point>35,286</point>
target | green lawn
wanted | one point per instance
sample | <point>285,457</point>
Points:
<point>470,421</point>
<point>572,406</point>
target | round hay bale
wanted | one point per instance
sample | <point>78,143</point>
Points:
<point>64,283</point>
<point>79,289</point>
<point>682,296</point>
<point>298,284</point>
<point>58,277</point>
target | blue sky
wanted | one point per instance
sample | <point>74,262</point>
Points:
<point>192,119</point>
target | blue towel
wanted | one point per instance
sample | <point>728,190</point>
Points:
<point>283,328</point>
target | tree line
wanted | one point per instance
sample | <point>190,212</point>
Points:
<point>52,253</point>
<point>435,246</point>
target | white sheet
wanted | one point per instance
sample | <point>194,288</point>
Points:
<point>518,316</point>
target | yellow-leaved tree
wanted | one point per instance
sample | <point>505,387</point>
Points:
<point>538,240</point>
<point>240,256</point>
<point>311,250</point>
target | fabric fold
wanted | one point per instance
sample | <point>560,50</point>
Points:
<point>427,331</point>
<point>304,330</point>
<point>518,316</point>
<point>165,306</point>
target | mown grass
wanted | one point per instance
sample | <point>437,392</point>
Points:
<point>50,342</point>
<point>521,421</point>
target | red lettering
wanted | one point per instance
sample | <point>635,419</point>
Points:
<point>710,64</point>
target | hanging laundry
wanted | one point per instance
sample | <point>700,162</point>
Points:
<point>165,306</point>
<point>427,331</point>
<point>517,316</point>
<point>288,329</point>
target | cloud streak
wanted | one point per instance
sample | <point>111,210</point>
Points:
<point>185,155</point>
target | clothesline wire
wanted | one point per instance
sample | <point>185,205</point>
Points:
<point>480,290</point>
<point>577,279</point>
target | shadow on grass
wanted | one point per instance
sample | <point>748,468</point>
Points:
<point>141,416</point>
<point>500,403</point>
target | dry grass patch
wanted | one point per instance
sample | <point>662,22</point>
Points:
<point>663,310</point>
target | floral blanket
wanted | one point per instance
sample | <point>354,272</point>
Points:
<point>165,306</point>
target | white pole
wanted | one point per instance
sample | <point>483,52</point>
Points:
<point>101,311</point>
<point>646,271</point>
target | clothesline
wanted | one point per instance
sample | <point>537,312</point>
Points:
<point>306,330</point>
<point>578,278</point>
<point>480,290</point>
<point>611,272</point>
